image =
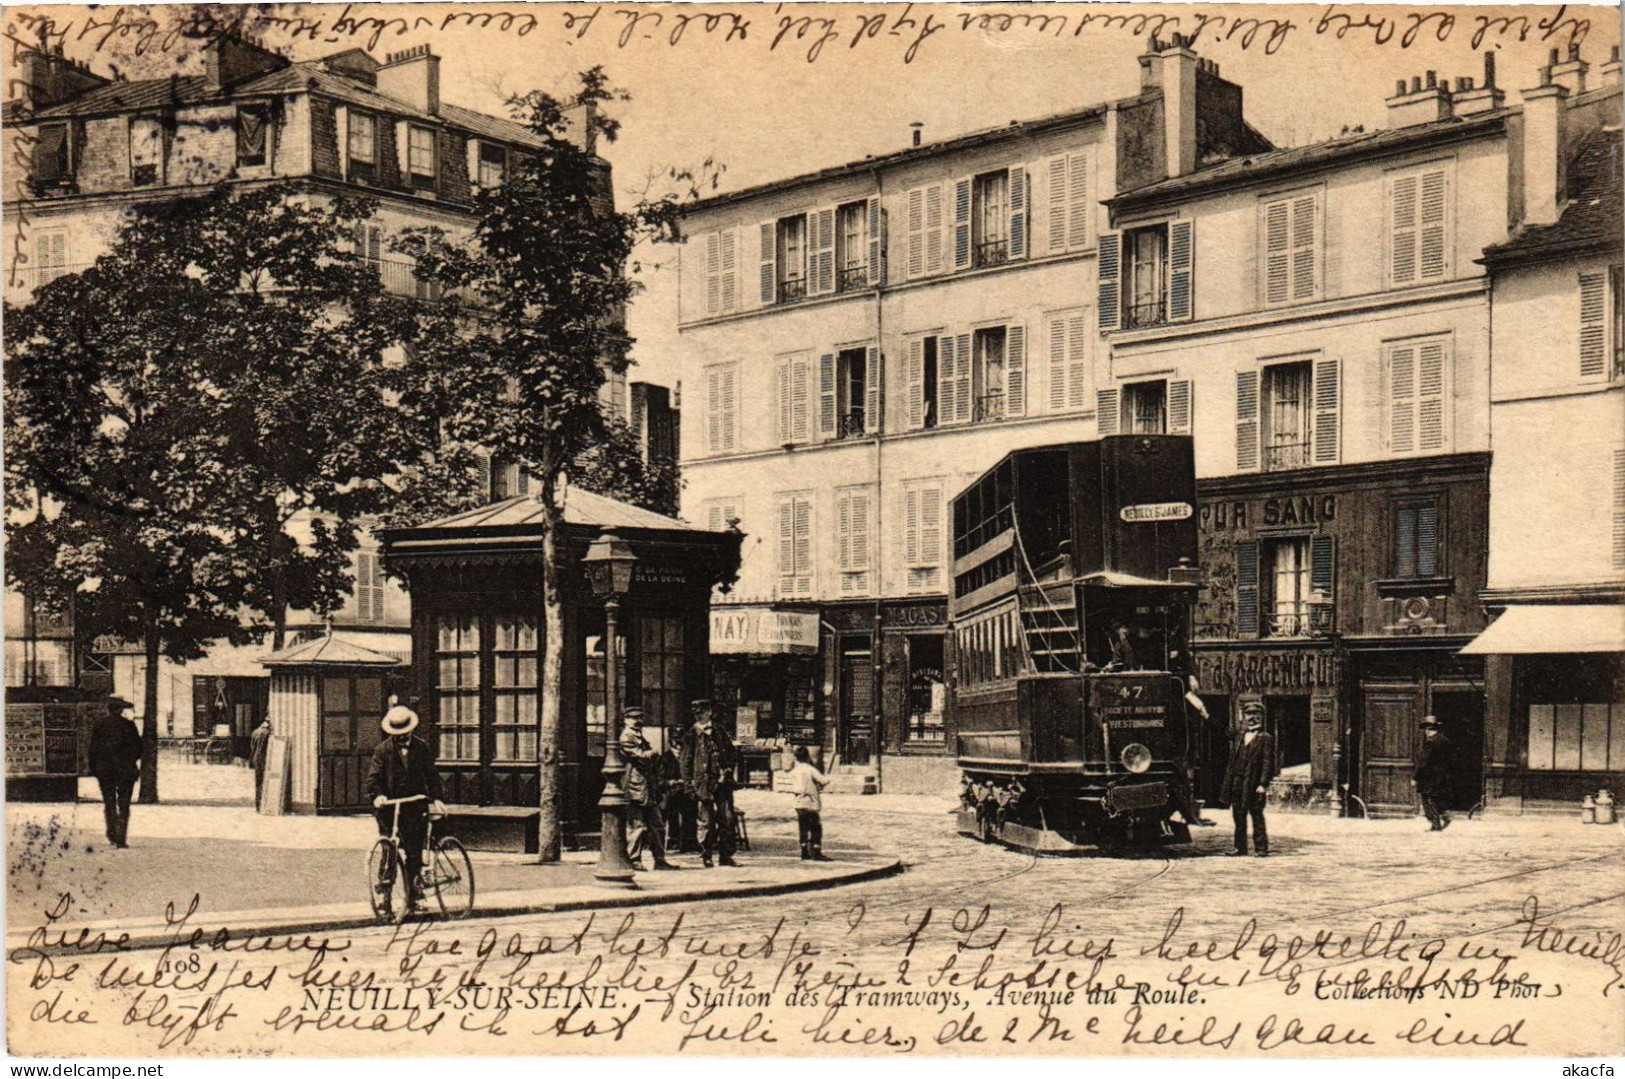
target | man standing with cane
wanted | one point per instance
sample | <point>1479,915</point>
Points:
<point>1247,779</point>
<point>708,762</point>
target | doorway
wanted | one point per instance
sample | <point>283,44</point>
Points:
<point>1288,724</point>
<point>857,719</point>
<point>1461,715</point>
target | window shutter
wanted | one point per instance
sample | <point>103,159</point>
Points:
<point>1180,409</point>
<point>1322,564</point>
<point>1077,361</point>
<point>713,273</point>
<point>1247,588</point>
<point>1015,371</point>
<point>1246,421</point>
<point>1431,417</point>
<point>713,519</point>
<point>1402,399</point>
<point>1077,197</point>
<point>947,379</point>
<point>486,477</point>
<point>1427,540</point>
<point>822,270</point>
<point>1619,510</point>
<point>1405,541</point>
<point>1181,237</point>
<point>787,546</point>
<point>786,403</point>
<point>1305,252</point>
<point>1328,394</point>
<point>873,395</point>
<point>1055,199</point>
<point>1106,412</point>
<point>963,371</point>
<point>911,526</point>
<point>961,224</point>
<point>860,535</point>
<point>1434,256</point>
<point>916,383</point>
<point>843,537</point>
<point>769,240</point>
<point>1277,253</point>
<point>803,552</point>
<point>1110,265</point>
<point>916,233</point>
<point>713,411</point>
<point>1593,325</point>
<point>801,404</point>
<point>730,417</point>
<point>877,242</point>
<point>1056,334</point>
<point>931,530</point>
<point>729,242</point>
<point>1402,232</point>
<point>826,395</point>
<point>1018,212</point>
<point>935,254</point>
<point>341,131</point>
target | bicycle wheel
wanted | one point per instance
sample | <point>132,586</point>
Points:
<point>386,883</point>
<point>453,879</point>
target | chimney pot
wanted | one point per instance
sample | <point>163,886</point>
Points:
<point>1433,79</point>
<point>1613,54</point>
<point>1399,88</point>
<point>1416,84</point>
<point>1574,50</point>
<point>919,129</point>
<point>1489,70</point>
<point>1553,57</point>
<point>1464,82</point>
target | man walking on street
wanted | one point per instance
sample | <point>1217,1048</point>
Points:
<point>645,783</point>
<point>1433,774</point>
<point>115,761</point>
<point>708,762</point>
<point>259,745</point>
<point>1247,779</point>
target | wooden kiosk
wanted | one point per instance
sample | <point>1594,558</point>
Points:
<point>476,585</point>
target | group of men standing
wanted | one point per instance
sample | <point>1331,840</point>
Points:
<point>699,779</point>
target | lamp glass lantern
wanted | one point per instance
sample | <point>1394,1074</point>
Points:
<point>609,563</point>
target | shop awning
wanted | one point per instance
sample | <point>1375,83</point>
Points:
<point>740,630</point>
<point>1554,629</point>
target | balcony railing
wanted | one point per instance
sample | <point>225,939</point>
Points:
<point>852,278</point>
<point>1287,620</point>
<point>1286,455</point>
<point>792,289</point>
<point>989,406</point>
<point>1151,313</point>
<point>993,253</point>
<point>399,280</point>
<point>850,424</point>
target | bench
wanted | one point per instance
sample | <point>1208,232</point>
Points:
<point>499,828</point>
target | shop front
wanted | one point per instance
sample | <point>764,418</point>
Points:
<point>1339,597</point>
<point>764,664</point>
<point>478,627</point>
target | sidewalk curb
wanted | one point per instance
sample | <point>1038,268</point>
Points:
<point>510,903</point>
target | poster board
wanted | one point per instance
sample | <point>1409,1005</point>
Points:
<point>274,791</point>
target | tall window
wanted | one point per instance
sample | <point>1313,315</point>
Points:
<point>369,587</point>
<point>660,673</point>
<point>50,256</point>
<point>508,480</point>
<point>369,244</point>
<point>1602,326</point>
<point>1416,538</point>
<point>852,246</point>
<point>1070,211</point>
<point>795,403</point>
<point>927,689</point>
<point>1417,375</point>
<point>792,258</point>
<point>1618,556</point>
<point>923,381</point>
<point>927,243</point>
<point>1290,228</point>
<point>1419,225</point>
<point>721,272</point>
<point>53,160</point>
<point>852,520</point>
<point>362,142</point>
<point>1068,337</point>
<point>493,164</point>
<point>420,156</point>
<point>457,686</point>
<point>852,377</point>
<point>723,513</point>
<point>1145,276</point>
<point>922,536</point>
<point>1287,395</point>
<point>253,134</point>
<point>721,416</point>
<point>1286,584</point>
<point>1145,408</point>
<point>987,374</point>
<point>514,689</point>
<point>147,150</point>
<point>795,546</point>
<point>990,217</point>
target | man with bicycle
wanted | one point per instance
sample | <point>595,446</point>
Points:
<point>402,767</point>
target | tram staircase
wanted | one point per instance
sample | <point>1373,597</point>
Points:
<point>1049,623</point>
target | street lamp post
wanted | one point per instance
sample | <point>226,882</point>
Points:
<point>609,564</point>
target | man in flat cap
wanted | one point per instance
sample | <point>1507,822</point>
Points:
<point>115,761</point>
<point>708,762</point>
<point>1432,777</point>
<point>645,787</point>
<point>1247,779</point>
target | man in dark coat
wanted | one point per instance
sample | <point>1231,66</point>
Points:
<point>707,768</point>
<point>115,761</point>
<point>1247,779</point>
<point>259,746</point>
<point>1433,774</point>
<point>644,786</point>
<point>403,766</point>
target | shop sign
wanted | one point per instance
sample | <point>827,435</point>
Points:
<point>1285,511</point>
<point>1155,511</point>
<point>933,614</point>
<point>1234,672</point>
<point>763,631</point>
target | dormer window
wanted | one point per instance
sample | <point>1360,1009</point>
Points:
<point>253,127</point>
<point>420,159</point>
<point>53,163</point>
<point>493,164</point>
<point>362,146</point>
<point>146,150</point>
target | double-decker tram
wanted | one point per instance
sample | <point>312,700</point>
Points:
<point>1073,582</point>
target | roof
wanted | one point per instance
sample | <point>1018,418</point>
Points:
<point>1593,214</point>
<point>305,76</point>
<point>1558,628</point>
<point>328,652</point>
<point>1241,170</point>
<point>581,507</point>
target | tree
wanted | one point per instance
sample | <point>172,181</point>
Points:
<point>170,409</point>
<point>514,358</point>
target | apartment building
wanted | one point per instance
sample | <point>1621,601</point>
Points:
<point>864,340</point>
<point>344,124</point>
<point>1555,724</point>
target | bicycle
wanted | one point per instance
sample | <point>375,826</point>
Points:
<point>447,871</point>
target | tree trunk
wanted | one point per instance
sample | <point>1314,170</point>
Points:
<point>149,722</point>
<point>548,834</point>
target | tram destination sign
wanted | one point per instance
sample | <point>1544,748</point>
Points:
<point>1156,511</point>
